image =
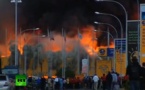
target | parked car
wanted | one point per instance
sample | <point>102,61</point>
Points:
<point>4,82</point>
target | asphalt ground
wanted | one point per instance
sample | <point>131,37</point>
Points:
<point>89,89</point>
<point>85,89</point>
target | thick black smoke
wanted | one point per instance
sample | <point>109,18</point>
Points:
<point>55,14</point>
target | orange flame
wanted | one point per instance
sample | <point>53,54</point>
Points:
<point>87,42</point>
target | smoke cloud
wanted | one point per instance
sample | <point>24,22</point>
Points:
<point>55,14</point>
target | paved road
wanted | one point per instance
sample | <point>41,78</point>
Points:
<point>87,89</point>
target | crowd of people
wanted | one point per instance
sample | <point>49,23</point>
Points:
<point>90,82</point>
<point>135,76</point>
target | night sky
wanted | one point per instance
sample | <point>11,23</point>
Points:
<point>55,14</point>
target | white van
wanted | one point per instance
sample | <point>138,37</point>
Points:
<point>4,82</point>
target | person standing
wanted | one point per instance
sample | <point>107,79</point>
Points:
<point>103,80</point>
<point>67,83</point>
<point>38,82</point>
<point>109,81</point>
<point>142,79</point>
<point>95,80</point>
<point>43,83</point>
<point>133,71</point>
<point>61,83</point>
<point>115,81</point>
<point>49,83</point>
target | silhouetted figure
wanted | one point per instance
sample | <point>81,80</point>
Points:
<point>133,71</point>
<point>109,81</point>
<point>61,83</point>
<point>142,79</point>
<point>43,83</point>
<point>103,79</point>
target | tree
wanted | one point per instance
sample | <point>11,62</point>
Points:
<point>38,56</point>
<point>28,55</point>
<point>12,56</point>
<point>57,62</point>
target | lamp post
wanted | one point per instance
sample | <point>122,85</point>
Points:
<point>110,26</point>
<point>138,3</point>
<point>16,25</point>
<point>32,29</point>
<point>125,12</point>
<point>94,61</point>
<point>25,59</point>
<point>38,53</point>
<point>108,42</point>
<point>109,33</point>
<point>126,24</point>
<point>105,32</point>
<point>0,64</point>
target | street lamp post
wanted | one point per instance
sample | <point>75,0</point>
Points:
<point>109,33</point>
<point>94,56</point>
<point>138,4</point>
<point>114,29</point>
<point>16,25</point>
<point>105,32</point>
<point>125,12</point>
<point>110,26</point>
<point>126,18</point>
<point>32,29</point>
<point>108,39</point>
<point>25,59</point>
<point>111,37</point>
<point>0,64</point>
<point>38,52</point>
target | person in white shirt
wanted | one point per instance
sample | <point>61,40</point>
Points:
<point>56,83</point>
<point>95,80</point>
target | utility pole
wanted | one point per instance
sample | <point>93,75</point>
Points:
<point>0,64</point>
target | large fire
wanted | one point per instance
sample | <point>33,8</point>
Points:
<point>88,42</point>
